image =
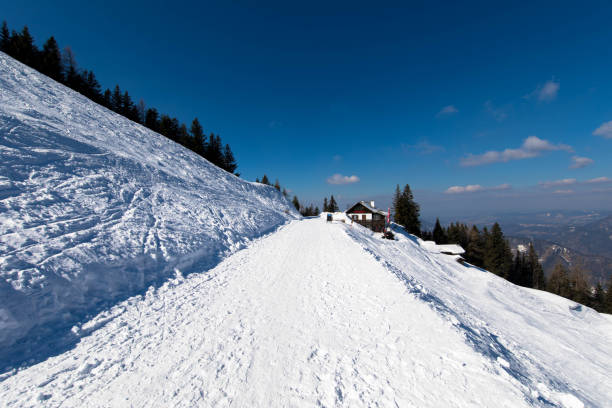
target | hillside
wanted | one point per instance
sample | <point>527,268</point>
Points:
<point>95,208</point>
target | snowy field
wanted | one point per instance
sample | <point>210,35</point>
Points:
<point>314,315</point>
<point>95,208</point>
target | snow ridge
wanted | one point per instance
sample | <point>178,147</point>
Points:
<point>95,208</point>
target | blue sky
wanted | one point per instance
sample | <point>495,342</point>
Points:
<point>505,99</point>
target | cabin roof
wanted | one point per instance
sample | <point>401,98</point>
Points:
<point>368,206</point>
<point>451,249</point>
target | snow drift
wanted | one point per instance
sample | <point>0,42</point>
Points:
<point>95,208</point>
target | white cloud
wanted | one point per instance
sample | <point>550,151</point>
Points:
<point>549,91</point>
<point>533,146</point>
<point>599,180</point>
<point>545,93</point>
<point>605,130</point>
<point>340,179</point>
<point>447,111</point>
<point>580,162</point>
<point>472,188</point>
<point>563,191</point>
<point>557,183</point>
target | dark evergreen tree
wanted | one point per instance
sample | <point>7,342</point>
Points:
<point>325,205</point>
<point>92,87</point>
<point>406,211</point>
<point>199,139</point>
<point>72,77</point>
<point>296,203</point>
<point>277,185</point>
<point>265,180</point>
<point>184,137</point>
<point>558,282</point>
<point>23,49</point>
<point>439,236</point>
<point>117,100</point>
<point>152,119</point>
<point>474,253</point>
<point>537,273</point>
<point>106,98</point>
<point>285,193</point>
<point>229,162</point>
<point>607,308</point>
<point>214,150</point>
<point>51,60</point>
<point>495,259</point>
<point>333,206</point>
<point>579,286</point>
<point>5,39</point>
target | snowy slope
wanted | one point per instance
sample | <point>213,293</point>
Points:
<point>94,208</point>
<point>316,315</point>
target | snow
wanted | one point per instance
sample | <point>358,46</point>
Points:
<point>431,246</point>
<point>172,283</point>
<point>95,208</point>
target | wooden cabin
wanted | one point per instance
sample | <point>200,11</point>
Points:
<point>368,215</point>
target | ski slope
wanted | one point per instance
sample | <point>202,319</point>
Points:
<point>313,315</point>
<point>95,208</point>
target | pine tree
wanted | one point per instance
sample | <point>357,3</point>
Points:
<point>23,48</point>
<point>51,60</point>
<point>333,206</point>
<point>558,282</point>
<point>71,74</point>
<point>407,211</point>
<point>579,286</point>
<point>199,139</point>
<point>265,180</point>
<point>277,185</point>
<point>151,119</point>
<point>5,39</point>
<point>325,205</point>
<point>537,273</point>
<point>316,211</point>
<point>92,87</point>
<point>106,98</point>
<point>285,193</point>
<point>439,236</point>
<point>257,179</point>
<point>607,308</point>
<point>229,162</point>
<point>296,203</point>
<point>495,252</point>
<point>474,252</point>
<point>117,100</point>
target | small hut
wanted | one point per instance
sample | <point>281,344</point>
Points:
<point>366,214</point>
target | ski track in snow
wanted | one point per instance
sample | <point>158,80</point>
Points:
<point>303,317</point>
<point>95,208</point>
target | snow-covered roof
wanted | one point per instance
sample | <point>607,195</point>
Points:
<point>452,249</point>
<point>369,207</point>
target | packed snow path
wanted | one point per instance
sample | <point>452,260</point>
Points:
<point>302,317</point>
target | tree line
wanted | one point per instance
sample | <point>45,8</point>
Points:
<point>490,250</point>
<point>62,67</point>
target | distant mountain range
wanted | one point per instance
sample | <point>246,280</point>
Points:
<point>572,238</point>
